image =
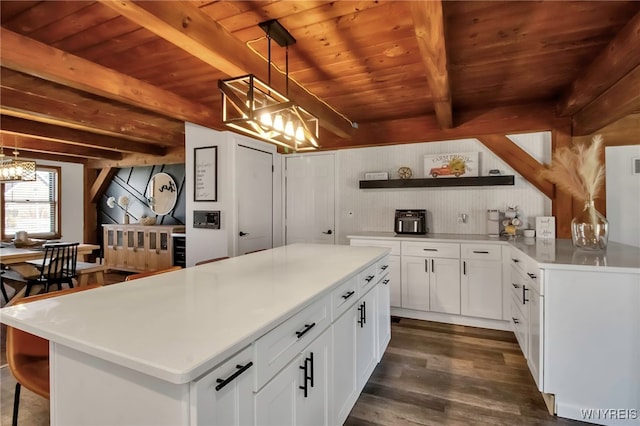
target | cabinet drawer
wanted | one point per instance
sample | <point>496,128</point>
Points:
<point>275,349</point>
<point>393,245</point>
<point>382,267</point>
<point>481,252</point>
<point>367,278</point>
<point>425,249</point>
<point>344,296</point>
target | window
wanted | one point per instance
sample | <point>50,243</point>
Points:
<point>34,206</point>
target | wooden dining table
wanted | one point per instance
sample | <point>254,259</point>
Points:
<point>12,255</point>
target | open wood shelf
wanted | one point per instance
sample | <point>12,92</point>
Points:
<point>438,182</point>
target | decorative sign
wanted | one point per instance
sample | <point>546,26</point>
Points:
<point>546,227</point>
<point>206,173</point>
<point>457,164</point>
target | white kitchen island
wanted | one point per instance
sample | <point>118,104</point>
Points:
<point>263,338</point>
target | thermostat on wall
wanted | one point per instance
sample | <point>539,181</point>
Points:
<point>209,219</point>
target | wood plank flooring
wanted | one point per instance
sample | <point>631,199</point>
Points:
<point>431,374</point>
<point>442,374</point>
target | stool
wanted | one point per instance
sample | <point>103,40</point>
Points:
<point>90,273</point>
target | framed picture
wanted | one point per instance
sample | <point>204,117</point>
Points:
<point>545,227</point>
<point>205,173</point>
<point>456,164</point>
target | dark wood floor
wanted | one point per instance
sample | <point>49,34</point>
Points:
<point>442,374</point>
<point>431,374</point>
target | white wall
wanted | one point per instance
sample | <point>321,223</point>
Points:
<point>623,194</point>
<point>72,199</point>
<point>374,209</point>
<point>210,243</point>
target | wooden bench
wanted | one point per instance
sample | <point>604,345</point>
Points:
<point>90,273</point>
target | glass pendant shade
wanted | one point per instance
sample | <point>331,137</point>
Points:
<point>253,107</point>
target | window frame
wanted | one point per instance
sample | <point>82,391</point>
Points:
<point>57,234</point>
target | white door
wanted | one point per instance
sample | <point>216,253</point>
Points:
<point>444,286</point>
<point>310,192</point>
<point>415,282</point>
<point>255,199</point>
<point>481,286</point>
<point>344,391</point>
<point>366,351</point>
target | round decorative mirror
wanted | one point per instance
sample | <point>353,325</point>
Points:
<point>161,194</point>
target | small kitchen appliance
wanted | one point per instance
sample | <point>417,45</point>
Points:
<point>411,222</point>
<point>495,223</point>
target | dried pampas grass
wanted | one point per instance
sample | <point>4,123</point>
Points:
<point>578,170</point>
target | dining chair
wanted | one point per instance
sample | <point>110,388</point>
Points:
<point>58,267</point>
<point>150,273</point>
<point>202,262</point>
<point>28,355</point>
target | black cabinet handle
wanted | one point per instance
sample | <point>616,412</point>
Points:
<point>481,252</point>
<point>464,268</point>
<point>383,267</point>
<point>348,294</point>
<point>307,327</point>
<point>532,276</point>
<point>304,387</point>
<point>364,312</point>
<point>311,363</point>
<point>426,265</point>
<point>242,234</point>
<point>329,232</point>
<point>524,294</point>
<point>433,266</point>
<point>515,285</point>
<point>515,320</point>
<point>385,282</point>
<point>430,249</point>
<point>515,260</point>
<point>361,310</point>
<point>241,369</point>
<point>369,278</point>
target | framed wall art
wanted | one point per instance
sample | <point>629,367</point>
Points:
<point>456,164</point>
<point>205,173</point>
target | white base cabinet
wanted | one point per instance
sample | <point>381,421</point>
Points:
<point>481,281</point>
<point>298,395</point>
<point>366,350</point>
<point>345,391</point>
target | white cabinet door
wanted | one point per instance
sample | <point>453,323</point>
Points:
<point>344,393</point>
<point>366,351</point>
<point>482,288</point>
<point>299,394</point>
<point>444,285</point>
<point>225,395</point>
<point>395,287</point>
<point>415,282</point>
<point>383,315</point>
<point>535,337</point>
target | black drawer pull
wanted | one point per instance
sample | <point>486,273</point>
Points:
<point>348,295</point>
<point>532,276</point>
<point>481,252</point>
<point>307,327</point>
<point>464,268</point>
<point>515,320</point>
<point>515,285</point>
<point>241,369</point>
<point>369,278</point>
<point>430,249</point>
<point>515,260</point>
<point>385,282</point>
<point>304,387</point>
<point>383,267</point>
<point>524,294</point>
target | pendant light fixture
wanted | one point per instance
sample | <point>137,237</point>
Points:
<point>14,170</point>
<point>254,107</point>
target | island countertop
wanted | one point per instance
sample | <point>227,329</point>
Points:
<point>178,325</point>
<point>548,253</point>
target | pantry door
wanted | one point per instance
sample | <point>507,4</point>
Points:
<point>310,199</point>
<point>255,199</point>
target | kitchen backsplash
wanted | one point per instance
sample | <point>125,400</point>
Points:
<point>373,209</point>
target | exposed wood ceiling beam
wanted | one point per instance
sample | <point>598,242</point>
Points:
<point>53,133</point>
<point>428,23</point>
<point>519,160</point>
<point>619,58</point>
<point>34,58</point>
<point>101,183</point>
<point>34,144</point>
<point>502,120</point>
<point>175,155</point>
<point>186,26</point>
<point>34,155</point>
<point>617,102</point>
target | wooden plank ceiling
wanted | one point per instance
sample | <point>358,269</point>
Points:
<point>113,82</point>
